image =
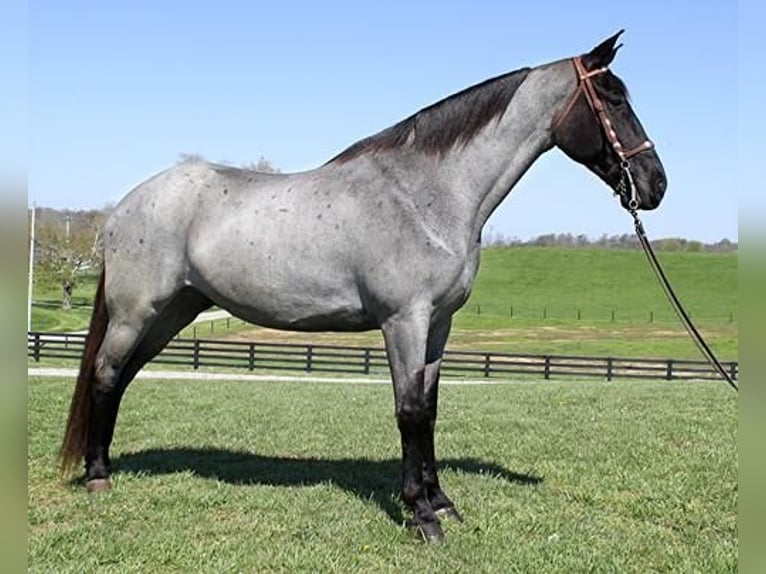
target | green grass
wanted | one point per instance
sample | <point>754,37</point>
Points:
<point>597,281</point>
<point>47,314</point>
<point>562,282</point>
<point>266,477</point>
<point>54,319</point>
<point>558,283</point>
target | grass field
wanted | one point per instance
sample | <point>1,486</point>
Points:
<point>561,283</point>
<point>517,287</point>
<point>294,477</point>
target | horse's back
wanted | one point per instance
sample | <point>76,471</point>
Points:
<point>308,251</point>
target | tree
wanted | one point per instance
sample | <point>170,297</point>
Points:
<point>190,158</point>
<point>263,165</point>
<point>67,243</point>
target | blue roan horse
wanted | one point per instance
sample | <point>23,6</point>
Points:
<point>386,235</point>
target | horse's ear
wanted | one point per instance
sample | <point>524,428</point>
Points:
<point>603,54</point>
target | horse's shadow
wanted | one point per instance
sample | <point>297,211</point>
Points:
<point>370,480</point>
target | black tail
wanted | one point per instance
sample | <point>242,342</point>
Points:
<point>76,436</point>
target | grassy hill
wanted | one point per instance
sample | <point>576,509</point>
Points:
<point>531,282</point>
<point>598,302</point>
<point>545,300</point>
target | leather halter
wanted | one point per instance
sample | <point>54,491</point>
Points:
<point>585,86</point>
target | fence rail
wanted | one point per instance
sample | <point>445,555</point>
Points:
<point>251,355</point>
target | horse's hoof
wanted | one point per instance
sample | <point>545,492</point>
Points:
<point>98,485</point>
<point>430,532</point>
<point>449,512</point>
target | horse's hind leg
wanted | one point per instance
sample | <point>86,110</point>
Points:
<point>126,348</point>
<point>120,340</point>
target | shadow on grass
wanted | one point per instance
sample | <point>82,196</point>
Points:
<point>374,480</point>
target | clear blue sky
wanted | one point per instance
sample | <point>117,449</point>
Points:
<point>118,89</point>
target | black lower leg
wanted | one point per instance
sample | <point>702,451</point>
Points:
<point>440,502</point>
<point>106,402</point>
<point>414,493</point>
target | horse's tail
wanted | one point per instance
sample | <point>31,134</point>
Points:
<point>76,435</point>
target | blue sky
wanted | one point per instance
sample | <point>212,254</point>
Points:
<point>117,90</point>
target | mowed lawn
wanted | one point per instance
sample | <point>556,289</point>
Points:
<point>299,477</point>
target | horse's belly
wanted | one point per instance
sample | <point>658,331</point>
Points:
<point>284,293</point>
<point>295,319</point>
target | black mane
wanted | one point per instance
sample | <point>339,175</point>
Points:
<point>454,120</point>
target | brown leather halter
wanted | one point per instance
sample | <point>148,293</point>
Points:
<point>585,86</point>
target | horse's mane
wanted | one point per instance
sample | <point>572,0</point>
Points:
<point>456,119</point>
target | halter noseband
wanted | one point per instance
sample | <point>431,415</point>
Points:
<point>585,86</point>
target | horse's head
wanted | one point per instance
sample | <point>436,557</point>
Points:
<point>598,128</point>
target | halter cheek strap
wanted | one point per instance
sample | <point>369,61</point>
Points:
<point>585,86</point>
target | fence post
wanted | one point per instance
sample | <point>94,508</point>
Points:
<point>579,314</point>
<point>547,367</point>
<point>478,309</point>
<point>669,370</point>
<point>195,355</point>
<point>651,316</point>
<point>309,357</point>
<point>733,371</point>
<point>367,361</point>
<point>228,322</point>
<point>612,315</point>
<point>251,357</point>
<point>511,311</point>
<point>609,368</point>
<point>487,365</point>
<point>36,351</point>
<point>545,312</point>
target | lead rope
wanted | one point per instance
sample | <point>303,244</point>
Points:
<point>677,307</point>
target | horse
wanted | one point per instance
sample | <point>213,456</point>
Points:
<point>385,235</point>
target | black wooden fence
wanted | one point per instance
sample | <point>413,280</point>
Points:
<point>309,358</point>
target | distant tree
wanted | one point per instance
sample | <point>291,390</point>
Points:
<point>67,243</point>
<point>546,240</point>
<point>263,165</point>
<point>668,244</point>
<point>492,237</point>
<point>724,245</point>
<point>190,158</point>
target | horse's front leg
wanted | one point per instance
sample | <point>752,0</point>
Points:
<point>437,340</point>
<point>406,338</point>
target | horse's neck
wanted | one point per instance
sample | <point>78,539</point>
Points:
<point>477,177</point>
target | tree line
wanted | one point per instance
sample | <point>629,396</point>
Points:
<point>492,238</point>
